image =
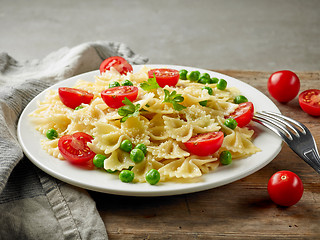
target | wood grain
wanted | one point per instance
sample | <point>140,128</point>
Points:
<point>241,210</point>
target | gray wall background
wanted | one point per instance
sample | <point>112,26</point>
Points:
<point>219,34</point>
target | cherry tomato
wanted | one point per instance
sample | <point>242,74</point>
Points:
<point>165,76</point>
<point>309,101</point>
<point>74,148</point>
<point>205,144</point>
<point>285,188</point>
<point>243,113</point>
<point>72,97</point>
<point>119,63</point>
<point>284,85</point>
<point>113,97</point>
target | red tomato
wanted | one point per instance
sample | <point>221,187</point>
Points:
<point>205,144</point>
<point>243,113</point>
<point>285,188</point>
<point>165,76</point>
<point>284,85</point>
<point>113,97</point>
<point>74,148</point>
<point>119,63</point>
<point>72,97</point>
<point>309,101</point>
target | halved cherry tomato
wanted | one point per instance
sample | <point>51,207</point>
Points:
<point>165,76</point>
<point>285,188</point>
<point>205,144</point>
<point>309,101</point>
<point>74,148</point>
<point>243,113</point>
<point>113,97</point>
<point>284,85</point>
<point>119,63</point>
<point>72,97</point>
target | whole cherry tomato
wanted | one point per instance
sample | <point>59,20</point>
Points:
<point>285,188</point>
<point>72,97</point>
<point>309,101</point>
<point>119,63</point>
<point>284,85</point>
<point>165,76</point>
<point>205,144</point>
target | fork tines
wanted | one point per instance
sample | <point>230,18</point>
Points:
<point>272,120</point>
<point>295,134</point>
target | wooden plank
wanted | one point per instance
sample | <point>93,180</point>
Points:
<point>241,210</point>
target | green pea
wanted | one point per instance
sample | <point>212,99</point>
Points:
<point>214,80</point>
<point>153,176</point>
<point>98,160</point>
<point>126,176</point>
<point>127,83</point>
<point>240,99</point>
<point>111,171</point>
<point>203,80</point>
<point>204,75</point>
<point>210,91</point>
<point>193,76</point>
<point>222,84</point>
<point>225,157</point>
<point>78,108</point>
<point>183,74</point>
<point>114,84</point>
<point>136,155</point>
<point>126,145</point>
<point>142,147</point>
<point>52,134</point>
<point>231,123</point>
<point>204,103</point>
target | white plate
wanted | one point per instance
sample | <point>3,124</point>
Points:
<point>101,181</point>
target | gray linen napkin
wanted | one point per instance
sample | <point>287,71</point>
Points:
<point>34,205</point>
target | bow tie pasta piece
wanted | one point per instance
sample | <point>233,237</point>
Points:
<point>136,128</point>
<point>118,160</point>
<point>145,166</point>
<point>181,168</point>
<point>219,108</point>
<point>87,115</point>
<point>200,120</point>
<point>170,149</point>
<point>157,129</point>
<point>178,129</point>
<point>238,141</point>
<point>107,138</point>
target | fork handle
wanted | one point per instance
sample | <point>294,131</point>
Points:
<point>312,158</point>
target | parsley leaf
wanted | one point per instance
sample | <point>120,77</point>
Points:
<point>150,84</point>
<point>174,99</point>
<point>128,110</point>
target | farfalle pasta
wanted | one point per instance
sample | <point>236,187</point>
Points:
<point>162,126</point>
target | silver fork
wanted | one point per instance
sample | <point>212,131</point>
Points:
<point>300,140</point>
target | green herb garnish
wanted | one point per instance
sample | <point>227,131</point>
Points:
<point>150,84</point>
<point>174,99</point>
<point>128,110</point>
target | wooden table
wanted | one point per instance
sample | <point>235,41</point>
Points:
<point>240,210</point>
